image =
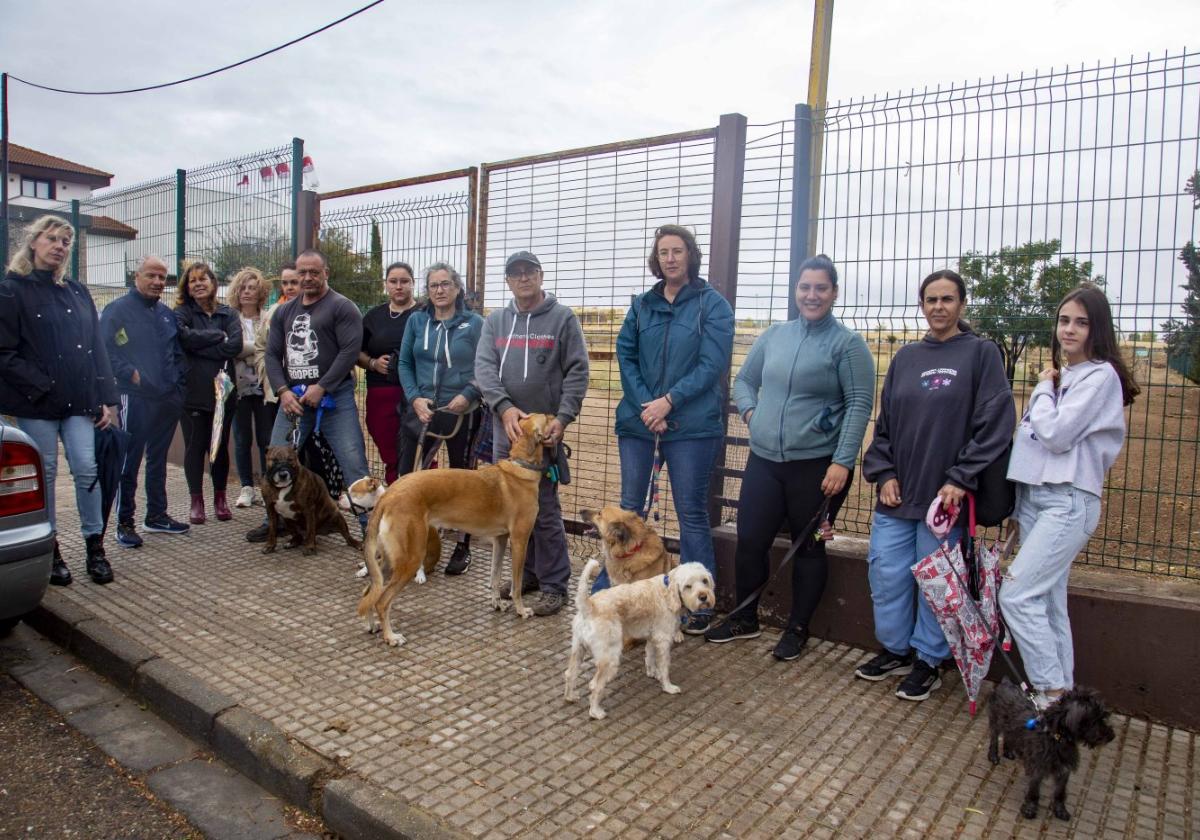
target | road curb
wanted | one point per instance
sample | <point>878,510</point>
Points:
<point>351,806</point>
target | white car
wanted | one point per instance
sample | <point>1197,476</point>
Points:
<point>26,538</point>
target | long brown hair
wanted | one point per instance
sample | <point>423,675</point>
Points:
<point>184,295</point>
<point>1102,338</point>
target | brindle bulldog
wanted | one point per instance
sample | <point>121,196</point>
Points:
<point>297,500</point>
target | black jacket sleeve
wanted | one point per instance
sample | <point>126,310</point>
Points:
<point>993,419</point>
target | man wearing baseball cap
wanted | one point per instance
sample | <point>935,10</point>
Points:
<point>532,359</point>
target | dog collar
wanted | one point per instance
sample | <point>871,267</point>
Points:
<point>666,580</point>
<point>629,553</point>
<point>529,465</point>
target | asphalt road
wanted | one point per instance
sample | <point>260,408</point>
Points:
<point>56,783</point>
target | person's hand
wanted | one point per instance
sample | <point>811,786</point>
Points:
<point>424,408</point>
<point>654,414</point>
<point>1048,375</point>
<point>889,493</point>
<point>748,415</point>
<point>312,396</point>
<point>108,417</point>
<point>553,433</point>
<point>825,531</point>
<point>511,419</point>
<point>835,479</point>
<point>136,379</point>
<point>381,365</point>
<point>290,405</point>
<point>951,495</point>
<point>458,405</point>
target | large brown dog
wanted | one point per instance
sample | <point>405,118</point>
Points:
<point>632,551</point>
<point>297,501</point>
<point>500,502</point>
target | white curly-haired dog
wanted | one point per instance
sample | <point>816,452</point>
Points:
<point>645,609</point>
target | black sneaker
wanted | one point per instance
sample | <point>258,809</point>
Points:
<point>790,644</point>
<point>165,525</point>
<point>259,534</point>
<point>918,684</point>
<point>697,624</point>
<point>128,536</point>
<point>460,560</point>
<point>548,603</point>
<point>884,665</point>
<point>732,629</point>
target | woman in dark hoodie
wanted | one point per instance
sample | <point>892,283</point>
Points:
<point>946,413</point>
<point>436,363</point>
<point>210,334</point>
<point>55,376</point>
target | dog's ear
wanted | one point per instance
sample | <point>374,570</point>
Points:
<point>673,596</point>
<point>588,516</point>
<point>620,532</point>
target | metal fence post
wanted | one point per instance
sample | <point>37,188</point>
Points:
<point>802,189</point>
<point>472,197</point>
<point>306,222</point>
<point>481,240</point>
<point>3,171</point>
<point>297,187</point>
<point>180,220</point>
<point>75,239</point>
<point>729,166</point>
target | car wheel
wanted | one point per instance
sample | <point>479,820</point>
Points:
<point>7,625</point>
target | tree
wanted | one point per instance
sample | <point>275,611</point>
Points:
<point>236,249</point>
<point>1013,294</point>
<point>349,271</point>
<point>1183,337</point>
<point>376,250</point>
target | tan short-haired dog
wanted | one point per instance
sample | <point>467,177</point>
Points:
<point>498,501</point>
<point>632,550</point>
<point>646,609</point>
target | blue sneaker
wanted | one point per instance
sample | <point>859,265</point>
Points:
<point>165,525</point>
<point>127,536</point>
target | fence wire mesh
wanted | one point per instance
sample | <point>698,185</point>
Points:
<point>590,218</point>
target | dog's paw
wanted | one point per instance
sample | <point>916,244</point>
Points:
<point>370,626</point>
<point>597,713</point>
<point>501,605</point>
<point>269,550</point>
<point>993,756</point>
<point>355,544</point>
<point>1009,753</point>
<point>420,575</point>
<point>362,571</point>
<point>309,550</point>
<point>525,612</point>
<point>395,639</point>
<point>1029,809</point>
<point>671,688</point>
<point>570,696</point>
<point>678,637</point>
<point>1060,811</point>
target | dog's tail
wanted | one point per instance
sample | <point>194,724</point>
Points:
<point>583,593</point>
<point>372,559</point>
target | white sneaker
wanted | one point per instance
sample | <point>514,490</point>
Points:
<point>245,498</point>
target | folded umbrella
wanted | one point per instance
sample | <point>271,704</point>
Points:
<point>112,444</point>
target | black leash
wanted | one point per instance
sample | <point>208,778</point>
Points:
<point>806,538</point>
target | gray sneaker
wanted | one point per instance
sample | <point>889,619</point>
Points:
<point>548,603</point>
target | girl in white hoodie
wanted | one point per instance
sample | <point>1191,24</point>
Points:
<point>1069,437</point>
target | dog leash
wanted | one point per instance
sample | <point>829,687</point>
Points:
<point>809,534</point>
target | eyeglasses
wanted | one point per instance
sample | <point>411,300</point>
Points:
<point>524,273</point>
<point>440,287</point>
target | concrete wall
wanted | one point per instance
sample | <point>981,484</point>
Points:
<point>1137,637</point>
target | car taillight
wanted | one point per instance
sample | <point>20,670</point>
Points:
<point>20,479</point>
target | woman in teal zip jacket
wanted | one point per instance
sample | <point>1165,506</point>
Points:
<point>805,391</point>
<point>436,365</point>
<point>674,350</point>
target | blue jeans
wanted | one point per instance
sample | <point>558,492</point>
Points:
<point>79,440</point>
<point>1056,521</point>
<point>689,466</point>
<point>903,618</point>
<point>340,427</point>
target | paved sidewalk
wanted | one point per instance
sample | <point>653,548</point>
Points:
<point>466,721</point>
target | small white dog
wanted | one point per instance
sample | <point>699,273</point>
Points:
<point>645,609</point>
<point>362,495</point>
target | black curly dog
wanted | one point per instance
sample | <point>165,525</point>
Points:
<point>1051,748</point>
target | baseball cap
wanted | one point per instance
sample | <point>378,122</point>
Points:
<point>522,256</point>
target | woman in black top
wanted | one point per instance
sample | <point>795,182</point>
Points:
<point>211,336</point>
<point>383,328</point>
<point>55,376</point>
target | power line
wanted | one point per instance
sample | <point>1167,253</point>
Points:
<point>198,75</point>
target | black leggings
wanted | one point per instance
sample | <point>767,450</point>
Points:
<point>773,493</point>
<point>197,435</point>
<point>458,446</point>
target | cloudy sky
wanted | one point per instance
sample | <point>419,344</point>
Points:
<point>415,87</point>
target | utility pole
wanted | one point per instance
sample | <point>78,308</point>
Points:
<point>818,91</point>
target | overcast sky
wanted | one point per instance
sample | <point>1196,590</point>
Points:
<point>415,87</point>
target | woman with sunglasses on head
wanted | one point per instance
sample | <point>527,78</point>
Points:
<point>383,330</point>
<point>945,413</point>
<point>1070,435</point>
<point>674,350</point>
<point>55,376</point>
<point>805,391</point>
<point>210,334</point>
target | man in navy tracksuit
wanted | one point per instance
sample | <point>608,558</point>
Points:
<point>140,335</point>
